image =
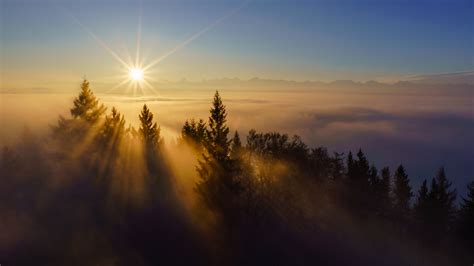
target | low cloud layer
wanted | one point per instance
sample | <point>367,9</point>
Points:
<point>423,131</point>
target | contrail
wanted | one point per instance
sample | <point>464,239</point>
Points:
<point>196,35</point>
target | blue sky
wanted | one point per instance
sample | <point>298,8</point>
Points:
<point>300,40</point>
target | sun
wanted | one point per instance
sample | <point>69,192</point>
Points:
<point>136,74</point>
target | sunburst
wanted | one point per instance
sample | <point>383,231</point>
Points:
<point>137,76</point>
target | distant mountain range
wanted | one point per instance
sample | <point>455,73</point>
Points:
<point>447,83</point>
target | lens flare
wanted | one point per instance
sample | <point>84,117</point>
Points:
<point>136,74</point>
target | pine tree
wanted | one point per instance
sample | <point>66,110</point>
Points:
<point>337,169</point>
<point>421,207</point>
<point>194,133</point>
<point>149,130</point>
<point>350,165</point>
<point>385,199</point>
<point>219,186</point>
<point>466,217</point>
<point>363,168</point>
<point>236,150</point>
<point>217,142</point>
<point>402,193</point>
<point>69,134</point>
<point>86,105</point>
<point>114,127</point>
<point>442,200</point>
<point>374,180</point>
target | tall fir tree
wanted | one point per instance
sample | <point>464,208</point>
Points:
<point>86,105</point>
<point>466,217</point>
<point>217,142</point>
<point>236,149</point>
<point>402,193</point>
<point>149,131</point>
<point>219,186</point>
<point>421,207</point>
<point>442,199</point>
<point>385,186</point>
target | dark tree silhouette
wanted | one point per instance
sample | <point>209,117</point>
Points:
<point>194,133</point>
<point>149,130</point>
<point>466,217</point>
<point>385,188</point>
<point>442,200</point>
<point>402,193</point>
<point>86,105</point>
<point>236,149</point>
<point>218,186</point>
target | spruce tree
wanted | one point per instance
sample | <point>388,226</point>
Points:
<point>236,150</point>
<point>149,131</point>
<point>466,217</point>
<point>421,207</point>
<point>442,199</point>
<point>218,186</point>
<point>217,142</point>
<point>402,192</point>
<point>385,184</point>
<point>86,105</point>
<point>350,165</point>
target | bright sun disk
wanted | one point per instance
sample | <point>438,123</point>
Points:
<point>136,74</point>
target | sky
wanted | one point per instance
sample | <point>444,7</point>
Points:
<point>50,45</point>
<point>44,45</point>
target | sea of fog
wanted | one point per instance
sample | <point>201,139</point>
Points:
<point>422,131</point>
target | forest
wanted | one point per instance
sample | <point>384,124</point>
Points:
<point>97,191</point>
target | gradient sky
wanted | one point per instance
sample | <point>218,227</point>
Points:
<point>42,45</point>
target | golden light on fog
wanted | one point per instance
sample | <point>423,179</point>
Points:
<point>136,74</point>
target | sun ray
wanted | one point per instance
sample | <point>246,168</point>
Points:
<point>123,82</point>
<point>195,36</point>
<point>99,41</point>
<point>137,76</point>
<point>139,36</point>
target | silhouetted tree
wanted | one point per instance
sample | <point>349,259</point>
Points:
<point>194,133</point>
<point>321,164</point>
<point>86,105</point>
<point>385,185</point>
<point>422,209</point>
<point>236,149</point>
<point>109,140</point>
<point>442,200</point>
<point>218,185</point>
<point>338,168</point>
<point>149,130</point>
<point>466,217</point>
<point>402,193</point>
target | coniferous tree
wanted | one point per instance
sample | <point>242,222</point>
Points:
<point>76,136</point>
<point>373,177</point>
<point>149,130</point>
<point>217,142</point>
<point>337,166</point>
<point>112,134</point>
<point>236,149</point>
<point>402,193</point>
<point>194,133</point>
<point>350,165</point>
<point>466,217</point>
<point>385,185</point>
<point>363,169</point>
<point>442,199</point>
<point>113,128</point>
<point>422,207</point>
<point>86,105</point>
<point>218,186</point>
